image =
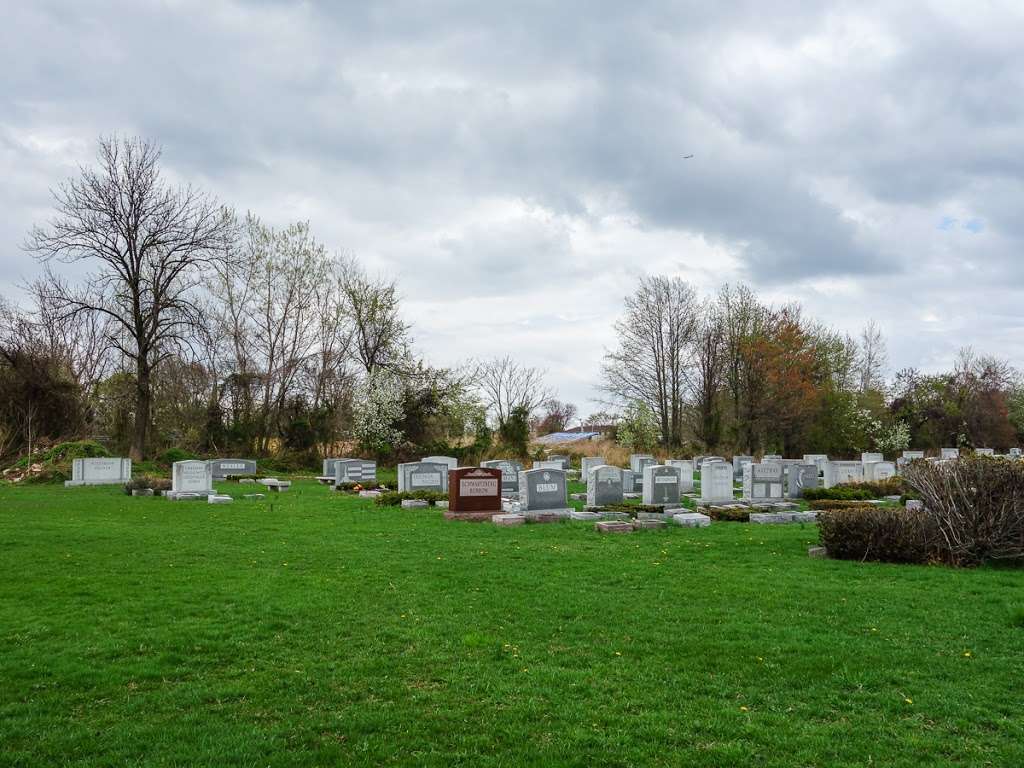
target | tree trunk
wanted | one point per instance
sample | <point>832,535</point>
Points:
<point>143,406</point>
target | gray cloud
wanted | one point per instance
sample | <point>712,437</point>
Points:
<point>502,142</point>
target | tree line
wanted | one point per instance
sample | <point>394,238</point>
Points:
<point>730,373</point>
<point>163,319</point>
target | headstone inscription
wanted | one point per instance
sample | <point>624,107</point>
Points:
<point>716,481</point>
<point>360,471</point>
<point>604,486</point>
<point>423,476</point>
<point>543,490</point>
<point>661,485</point>
<point>474,493</point>
<point>448,460</point>
<point>800,477</point>
<point>99,472</point>
<point>190,479</point>
<point>685,467</point>
<point>843,472</point>
<point>225,468</point>
<point>509,474</point>
<point>738,462</point>
<point>763,482</point>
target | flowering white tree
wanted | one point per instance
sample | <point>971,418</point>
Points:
<point>377,406</point>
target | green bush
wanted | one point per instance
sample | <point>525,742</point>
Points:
<point>838,493</point>
<point>171,455</point>
<point>395,498</point>
<point>839,504</point>
<point>886,534</point>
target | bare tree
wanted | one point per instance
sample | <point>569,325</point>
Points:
<point>652,363</point>
<point>505,385</point>
<point>707,379</point>
<point>873,358</point>
<point>149,243</point>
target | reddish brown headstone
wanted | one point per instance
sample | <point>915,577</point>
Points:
<point>474,493</point>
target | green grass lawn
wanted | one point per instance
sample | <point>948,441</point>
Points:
<point>316,629</point>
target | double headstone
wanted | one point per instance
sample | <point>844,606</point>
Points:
<point>763,482</point>
<point>716,481</point>
<point>661,485</point>
<point>474,493</point>
<point>361,471</point>
<point>99,472</point>
<point>800,477</point>
<point>604,486</point>
<point>837,472</point>
<point>543,490</point>
<point>225,468</point>
<point>422,476</point>
<point>190,479</point>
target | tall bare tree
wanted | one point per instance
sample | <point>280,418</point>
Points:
<point>148,243</point>
<point>380,336</point>
<point>872,358</point>
<point>652,362</point>
<point>505,385</point>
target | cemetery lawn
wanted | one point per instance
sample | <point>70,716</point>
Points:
<point>315,629</point>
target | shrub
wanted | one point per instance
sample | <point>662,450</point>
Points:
<point>976,504</point>
<point>729,514</point>
<point>888,534</point>
<point>79,449</point>
<point>144,481</point>
<point>837,493</point>
<point>395,498</point>
<point>839,504</point>
<point>172,455</point>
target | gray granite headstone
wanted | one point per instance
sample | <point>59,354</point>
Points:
<point>604,486</point>
<point>423,476</point>
<point>661,484</point>
<point>362,471</point>
<point>637,461</point>
<point>509,474</point>
<point>99,472</point>
<point>716,481</point>
<point>192,478</point>
<point>763,482</point>
<point>450,462</point>
<point>541,489</point>
<point>843,472</point>
<point>738,462</point>
<point>225,468</point>
<point>800,477</point>
<point>685,467</point>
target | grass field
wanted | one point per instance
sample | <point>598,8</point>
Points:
<point>311,629</point>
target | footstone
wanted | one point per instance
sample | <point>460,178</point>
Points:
<point>247,481</point>
<point>622,516</point>
<point>817,552</point>
<point>444,505</point>
<point>545,517</point>
<point>654,515</point>
<point>369,494</point>
<point>414,503</point>
<point>508,519</point>
<point>639,524</point>
<point>142,492</point>
<point>215,498</point>
<point>612,526</point>
<point>580,515</point>
<point>184,496</point>
<point>278,486</point>
<point>692,519</point>
<point>254,496</point>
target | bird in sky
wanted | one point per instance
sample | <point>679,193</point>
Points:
<point>687,157</point>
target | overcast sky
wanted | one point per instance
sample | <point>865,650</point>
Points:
<point>516,166</point>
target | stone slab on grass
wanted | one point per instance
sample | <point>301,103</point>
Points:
<point>692,520</point>
<point>508,520</point>
<point>613,526</point>
<point>580,515</point>
<point>215,498</point>
<point>414,503</point>
<point>648,524</point>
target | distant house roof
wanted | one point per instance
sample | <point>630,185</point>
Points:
<point>566,437</point>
